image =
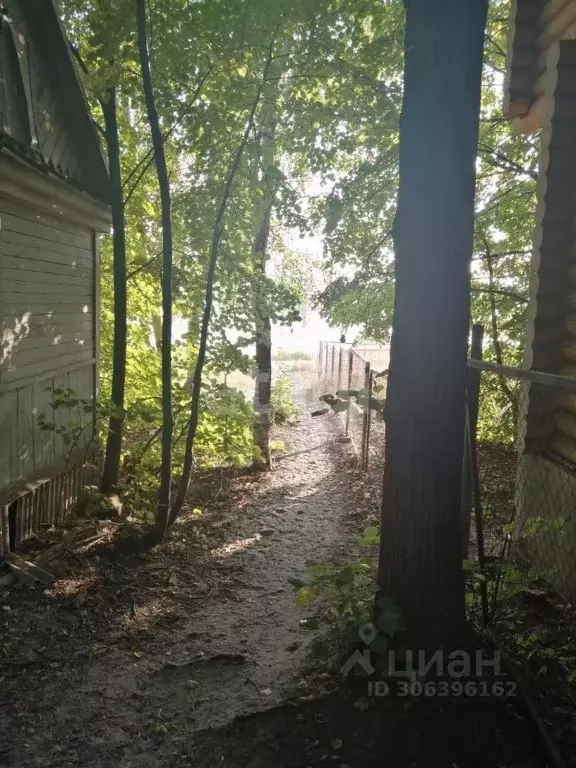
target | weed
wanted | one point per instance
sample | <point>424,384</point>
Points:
<point>282,407</point>
<point>292,354</point>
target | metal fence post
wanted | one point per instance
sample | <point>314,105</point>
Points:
<point>365,418</point>
<point>339,369</point>
<point>369,418</point>
<point>333,362</point>
<point>472,397</point>
<point>320,358</point>
<point>350,365</point>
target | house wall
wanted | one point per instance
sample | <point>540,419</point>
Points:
<point>48,304</point>
<point>546,483</point>
<point>535,28</point>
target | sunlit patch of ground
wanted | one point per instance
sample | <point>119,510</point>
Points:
<point>236,546</point>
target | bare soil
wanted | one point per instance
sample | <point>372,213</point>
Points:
<point>120,663</point>
<point>193,653</point>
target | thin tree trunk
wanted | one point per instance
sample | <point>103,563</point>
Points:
<point>216,237</point>
<point>506,391</point>
<point>263,331</point>
<point>163,506</point>
<point>262,324</point>
<point>420,553</point>
<point>114,439</point>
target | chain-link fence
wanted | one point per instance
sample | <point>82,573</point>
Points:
<point>518,506</point>
<point>520,484</point>
<point>519,528</point>
<point>352,381</point>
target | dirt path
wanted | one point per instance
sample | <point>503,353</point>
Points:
<point>122,664</point>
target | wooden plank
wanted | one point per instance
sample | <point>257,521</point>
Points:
<point>76,382</point>
<point>557,25</point>
<point>53,197</point>
<point>44,102</point>
<point>10,276</point>
<point>567,400</point>
<point>85,383</point>
<point>22,245</point>
<point>565,423</point>
<point>27,305</point>
<point>10,287</point>
<point>49,328</point>
<point>34,324</point>
<point>61,416</point>
<point>563,382</point>
<point>48,342</point>
<point>17,358</point>
<point>42,232</point>
<point>564,447</point>
<point>32,267</point>
<point>51,139</point>
<point>55,221</point>
<point>552,8</point>
<point>44,454</point>
<point>44,367</point>
<point>25,431</point>
<point>43,376</point>
<point>29,301</point>
<point>8,432</point>
<point>61,149</point>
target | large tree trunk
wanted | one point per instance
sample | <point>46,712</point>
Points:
<point>163,506</point>
<point>420,554</point>
<point>263,331</point>
<point>114,440</point>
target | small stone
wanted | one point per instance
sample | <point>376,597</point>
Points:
<point>267,532</point>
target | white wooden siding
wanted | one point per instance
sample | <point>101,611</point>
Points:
<point>47,331</point>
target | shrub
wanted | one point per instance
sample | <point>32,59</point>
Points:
<point>282,407</point>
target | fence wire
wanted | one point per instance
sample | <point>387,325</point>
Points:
<point>526,497</point>
<point>521,551</point>
<point>345,369</point>
<point>518,511</point>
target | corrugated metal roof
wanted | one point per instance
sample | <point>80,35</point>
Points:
<point>59,106</point>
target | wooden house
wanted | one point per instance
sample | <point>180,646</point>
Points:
<point>540,95</point>
<point>53,204</point>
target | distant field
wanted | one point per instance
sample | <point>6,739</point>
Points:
<point>378,357</point>
<point>291,354</point>
<point>245,383</point>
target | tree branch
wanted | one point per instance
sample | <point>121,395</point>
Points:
<point>500,292</point>
<point>506,163</point>
<point>145,162</point>
<point>217,236</point>
<point>501,254</point>
<point>504,386</point>
<point>163,505</point>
